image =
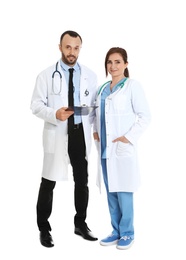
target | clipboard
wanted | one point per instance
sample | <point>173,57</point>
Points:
<point>82,110</point>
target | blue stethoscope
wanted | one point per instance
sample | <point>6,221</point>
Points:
<point>56,71</point>
<point>103,86</point>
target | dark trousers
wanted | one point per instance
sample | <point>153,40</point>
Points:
<point>77,153</point>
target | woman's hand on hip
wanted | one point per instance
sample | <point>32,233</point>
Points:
<point>122,139</point>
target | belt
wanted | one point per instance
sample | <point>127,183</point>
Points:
<point>77,126</point>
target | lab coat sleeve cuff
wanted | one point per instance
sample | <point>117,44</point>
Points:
<point>55,120</point>
<point>94,126</point>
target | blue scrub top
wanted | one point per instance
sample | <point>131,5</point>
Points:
<point>105,93</point>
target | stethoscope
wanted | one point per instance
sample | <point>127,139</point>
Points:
<point>104,85</point>
<point>53,75</point>
<point>60,88</point>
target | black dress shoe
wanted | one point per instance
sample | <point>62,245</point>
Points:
<point>46,239</point>
<point>85,232</point>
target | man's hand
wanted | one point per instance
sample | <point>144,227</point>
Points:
<point>63,114</point>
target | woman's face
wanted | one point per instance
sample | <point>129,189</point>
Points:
<point>116,65</point>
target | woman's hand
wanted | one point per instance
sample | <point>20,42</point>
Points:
<point>96,136</point>
<point>122,139</point>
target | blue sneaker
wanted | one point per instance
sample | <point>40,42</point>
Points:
<point>110,240</point>
<point>125,242</point>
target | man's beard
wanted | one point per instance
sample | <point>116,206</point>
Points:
<point>67,60</point>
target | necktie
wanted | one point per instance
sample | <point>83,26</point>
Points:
<point>70,99</point>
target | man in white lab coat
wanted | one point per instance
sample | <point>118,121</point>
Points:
<point>49,102</point>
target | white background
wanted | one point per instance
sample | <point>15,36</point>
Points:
<point>153,33</point>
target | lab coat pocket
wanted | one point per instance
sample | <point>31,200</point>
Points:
<point>124,149</point>
<point>49,141</point>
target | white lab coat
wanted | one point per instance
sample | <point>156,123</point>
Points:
<point>44,105</point>
<point>126,114</point>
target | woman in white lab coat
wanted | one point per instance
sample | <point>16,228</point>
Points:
<point>122,117</point>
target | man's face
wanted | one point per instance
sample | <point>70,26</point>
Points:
<point>70,48</point>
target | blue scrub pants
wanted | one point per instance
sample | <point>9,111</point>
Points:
<point>120,207</point>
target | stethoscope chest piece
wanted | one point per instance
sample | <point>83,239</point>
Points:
<point>86,93</point>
